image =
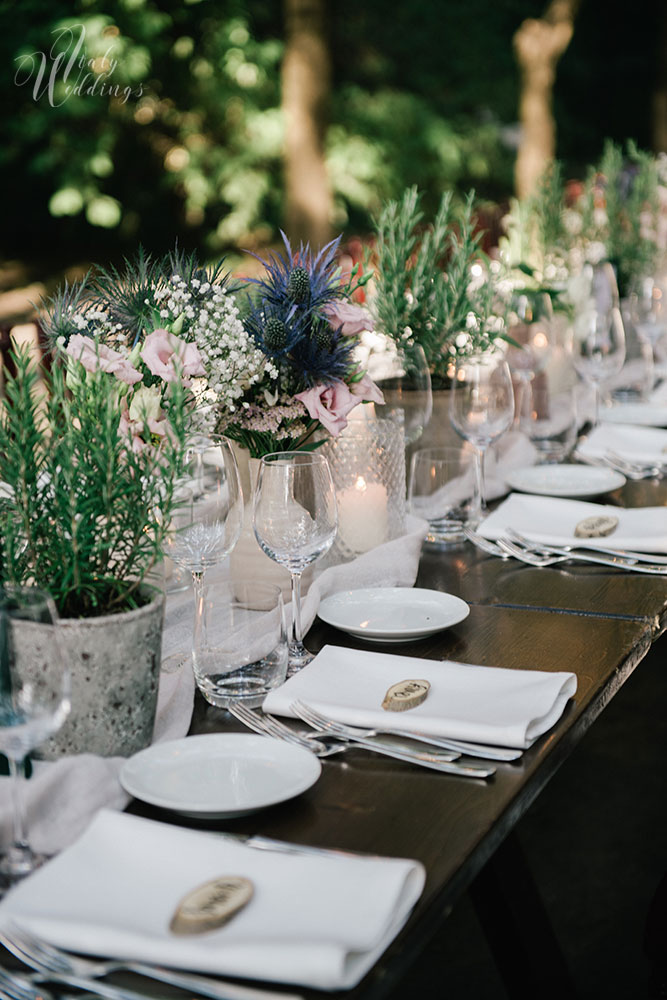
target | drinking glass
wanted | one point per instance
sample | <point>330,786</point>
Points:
<point>207,521</point>
<point>295,521</point>
<point>530,317</point>
<point>34,703</point>
<point>598,342</point>
<point>550,419</point>
<point>481,409</point>
<point>403,375</point>
<point>240,644</point>
<point>441,491</point>
<point>648,310</point>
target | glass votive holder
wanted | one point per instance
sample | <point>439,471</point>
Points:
<point>239,650</point>
<point>367,462</point>
<point>441,491</point>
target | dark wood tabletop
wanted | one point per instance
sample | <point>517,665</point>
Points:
<point>597,622</point>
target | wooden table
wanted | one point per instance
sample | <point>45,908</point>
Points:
<point>596,622</point>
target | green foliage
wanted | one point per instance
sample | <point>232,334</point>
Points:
<point>85,515</point>
<point>424,292</point>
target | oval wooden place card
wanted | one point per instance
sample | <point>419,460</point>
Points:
<point>598,526</point>
<point>404,695</point>
<point>211,905</point>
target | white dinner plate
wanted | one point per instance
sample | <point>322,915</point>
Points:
<point>565,480</point>
<point>392,614</point>
<point>219,775</point>
<point>640,414</point>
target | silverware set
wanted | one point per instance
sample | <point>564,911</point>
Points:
<point>517,546</point>
<point>329,737</point>
<point>629,468</point>
<point>53,965</point>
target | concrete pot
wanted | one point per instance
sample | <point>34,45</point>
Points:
<point>115,666</point>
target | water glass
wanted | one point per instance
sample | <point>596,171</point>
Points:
<point>441,490</point>
<point>403,375</point>
<point>240,642</point>
<point>550,419</point>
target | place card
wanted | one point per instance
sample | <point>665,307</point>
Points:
<point>211,905</point>
<point>598,526</point>
<point>406,694</point>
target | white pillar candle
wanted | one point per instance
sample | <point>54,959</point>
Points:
<point>363,516</point>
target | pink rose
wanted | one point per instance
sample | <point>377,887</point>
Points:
<point>330,404</point>
<point>96,357</point>
<point>348,318</point>
<point>367,390</point>
<point>168,357</point>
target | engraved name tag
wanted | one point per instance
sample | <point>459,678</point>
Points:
<point>596,527</point>
<point>405,694</point>
<point>211,905</point>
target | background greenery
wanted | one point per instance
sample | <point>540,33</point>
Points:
<point>423,93</point>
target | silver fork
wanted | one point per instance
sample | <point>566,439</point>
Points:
<point>551,557</point>
<point>267,725</point>
<point>457,747</point>
<point>59,966</point>
<point>634,470</point>
<point>485,544</point>
<point>627,555</point>
<point>339,731</point>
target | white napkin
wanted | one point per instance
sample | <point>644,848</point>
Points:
<point>316,920</point>
<point>466,702</point>
<point>553,520</point>
<point>636,444</point>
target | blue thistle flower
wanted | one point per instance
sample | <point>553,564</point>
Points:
<point>287,322</point>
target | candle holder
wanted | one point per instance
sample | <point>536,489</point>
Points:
<point>367,462</point>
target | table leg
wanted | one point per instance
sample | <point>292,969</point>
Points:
<point>518,929</point>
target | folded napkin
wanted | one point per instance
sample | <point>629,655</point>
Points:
<point>637,414</point>
<point>481,704</point>
<point>553,520</point>
<point>636,444</point>
<point>316,920</point>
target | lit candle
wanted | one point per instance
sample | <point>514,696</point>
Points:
<point>363,516</point>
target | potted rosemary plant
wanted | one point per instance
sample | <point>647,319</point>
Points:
<point>86,462</point>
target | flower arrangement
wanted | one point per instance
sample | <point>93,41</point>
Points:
<point>268,362</point>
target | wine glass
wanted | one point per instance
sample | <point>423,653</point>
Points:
<point>403,375</point>
<point>34,702</point>
<point>648,310</point>
<point>481,409</point>
<point>529,324</point>
<point>598,342</point>
<point>295,521</point>
<point>208,517</point>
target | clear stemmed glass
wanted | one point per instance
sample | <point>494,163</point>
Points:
<point>530,318</point>
<point>648,310</point>
<point>481,409</point>
<point>207,522</point>
<point>295,521</point>
<point>403,375</point>
<point>34,702</point>
<point>598,342</point>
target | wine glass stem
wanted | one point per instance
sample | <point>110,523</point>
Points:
<point>479,496</point>
<point>18,857</point>
<point>198,585</point>
<point>596,404</point>
<point>296,609</point>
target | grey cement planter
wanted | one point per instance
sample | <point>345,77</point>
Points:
<point>115,666</point>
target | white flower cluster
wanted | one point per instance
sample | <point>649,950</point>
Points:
<point>233,363</point>
<point>96,323</point>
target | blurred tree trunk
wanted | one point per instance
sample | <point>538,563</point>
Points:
<point>660,93</point>
<point>306,82</point>
<point>538,45</point>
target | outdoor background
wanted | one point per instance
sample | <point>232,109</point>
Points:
<point>188,142</point>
